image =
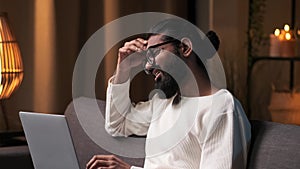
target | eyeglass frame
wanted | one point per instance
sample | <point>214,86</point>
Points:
<point>150,58</point>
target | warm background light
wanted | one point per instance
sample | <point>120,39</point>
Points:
<point>11,63</point>
<point>286,27</point>
<point>288,36</point>
<point>277,32</point>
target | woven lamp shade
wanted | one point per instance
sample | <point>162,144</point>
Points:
<point>11,66</point>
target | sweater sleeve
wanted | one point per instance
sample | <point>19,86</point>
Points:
<point>218,145</point>
<point>134,167</point>
<point>223,145</point>
<point>122,118</point>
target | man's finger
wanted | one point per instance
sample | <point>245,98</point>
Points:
<point>96,159</point>
<point>139,43</point>
<point>99,163</point>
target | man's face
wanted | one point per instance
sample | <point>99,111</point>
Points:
<point>163,66</point>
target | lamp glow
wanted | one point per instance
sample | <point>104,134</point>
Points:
<point>11,66</point>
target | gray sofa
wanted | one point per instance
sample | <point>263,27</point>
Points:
<point>15,157</point>
<point>274,145</point>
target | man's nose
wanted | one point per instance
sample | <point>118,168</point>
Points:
<point>148,66</point>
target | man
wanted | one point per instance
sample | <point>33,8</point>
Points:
<point>189,122</point>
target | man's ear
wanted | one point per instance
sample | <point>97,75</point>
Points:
<point>187,47</point>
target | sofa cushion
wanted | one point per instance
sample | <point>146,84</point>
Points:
<point>15,157</point>
<point>274,146</point>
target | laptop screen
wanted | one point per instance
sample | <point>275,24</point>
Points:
<point>49,140</point>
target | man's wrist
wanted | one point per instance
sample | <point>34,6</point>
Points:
<point>121,76</point>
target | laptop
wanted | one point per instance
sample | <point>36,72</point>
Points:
<point>49,141</point>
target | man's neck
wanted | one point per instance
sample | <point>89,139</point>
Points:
<point>197,85</point>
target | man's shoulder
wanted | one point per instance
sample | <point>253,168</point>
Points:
<point>232,104</point>
<point>223,99</point>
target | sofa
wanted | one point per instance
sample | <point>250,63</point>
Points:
<point>15,157</point>
<point>273,145</point>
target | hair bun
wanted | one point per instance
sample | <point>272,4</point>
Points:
<point>214,39</point>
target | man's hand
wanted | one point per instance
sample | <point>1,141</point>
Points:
<point>134,47</point>
<point>130,55</point>
<point>107,162</point>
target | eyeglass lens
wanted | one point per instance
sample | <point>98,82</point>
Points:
<point>151,54</point>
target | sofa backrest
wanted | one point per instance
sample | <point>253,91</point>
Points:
<point>85,147</point>
<point>274,146</point>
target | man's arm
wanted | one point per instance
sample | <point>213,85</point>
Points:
<point>122,118</point>
<point>226,142</point>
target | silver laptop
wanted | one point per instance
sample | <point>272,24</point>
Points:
<point>49,140</point>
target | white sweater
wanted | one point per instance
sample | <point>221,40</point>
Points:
<point>209,132</point>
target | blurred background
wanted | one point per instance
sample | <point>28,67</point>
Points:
<point>51,33</point>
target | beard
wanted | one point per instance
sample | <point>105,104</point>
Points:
<point>167,86</point>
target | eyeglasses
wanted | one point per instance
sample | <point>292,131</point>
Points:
<point>152,52</point>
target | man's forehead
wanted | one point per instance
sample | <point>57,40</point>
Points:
<point>154,39</point>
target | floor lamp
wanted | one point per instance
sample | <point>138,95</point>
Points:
<point>11,66</point>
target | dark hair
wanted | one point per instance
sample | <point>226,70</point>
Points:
<point>214,39</point>
<point>202,45</point>
<point>176,28</point>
